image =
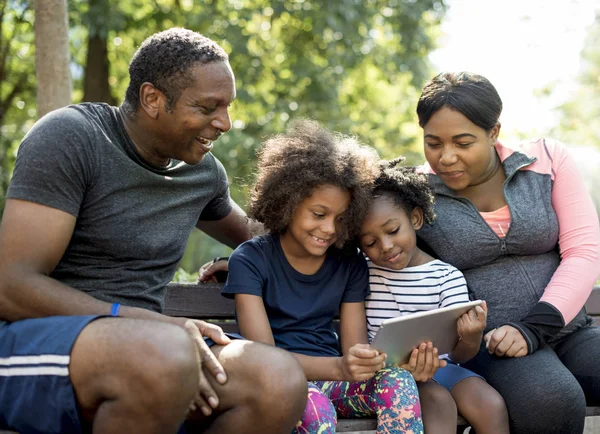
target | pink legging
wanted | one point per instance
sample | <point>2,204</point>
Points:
<point>391,395</point>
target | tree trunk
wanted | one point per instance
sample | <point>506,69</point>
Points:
<point>52,55</point>
<point>95,83</point>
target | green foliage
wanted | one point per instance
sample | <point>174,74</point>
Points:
<point>17,83</point>
<point>579,124</point>
<point>354,65</point>
<point>182,276</point>
<point>580,115</point>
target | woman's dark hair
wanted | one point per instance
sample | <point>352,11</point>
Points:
<point>165,59</point>
<point>292,165</point>
<point>407,188</point>
<point>470,94</point>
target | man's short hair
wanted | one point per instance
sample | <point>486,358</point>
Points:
<point>165,59</point>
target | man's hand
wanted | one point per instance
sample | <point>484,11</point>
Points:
<point>208,270</point>
<point>471,325</point>
<point>506,341</point>
<point>361,363</point>
<point>206,398</point>
<point>424,362</point>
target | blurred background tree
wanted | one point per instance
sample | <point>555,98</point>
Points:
<point>17,82</point>
<point>579,120</point>
<point>579,117</point>
<point>52,58</point>
<point>354,65</point>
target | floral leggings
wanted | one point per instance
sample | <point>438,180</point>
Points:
<point>391,395</point>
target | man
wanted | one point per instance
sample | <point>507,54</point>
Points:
<point>97,216</point>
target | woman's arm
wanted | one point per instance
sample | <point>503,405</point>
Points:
<point>579,236</point>
<point>579,242</point>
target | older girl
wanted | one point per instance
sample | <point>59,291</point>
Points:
<point>311,192</point>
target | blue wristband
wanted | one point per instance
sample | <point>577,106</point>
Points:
<point>114,310</point>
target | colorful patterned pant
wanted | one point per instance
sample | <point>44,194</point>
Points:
<point>391,395</point>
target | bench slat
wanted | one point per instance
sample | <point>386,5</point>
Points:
<point>202,301</point>
<point>592,305</point>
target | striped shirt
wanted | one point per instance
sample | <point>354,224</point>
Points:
<point>425,287</point>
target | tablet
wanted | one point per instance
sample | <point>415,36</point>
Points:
<point>399,336</point>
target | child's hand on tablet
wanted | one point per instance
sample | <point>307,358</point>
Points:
<point>470,326</point>
<point>424,362</point>
<point>361,363</point>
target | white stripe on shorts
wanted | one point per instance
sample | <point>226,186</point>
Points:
<point>43,359</point>
<point>34,371</point>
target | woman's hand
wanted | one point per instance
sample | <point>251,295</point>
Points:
<point>471,325</point>
<point>506,341</point>
<point>424,362</point>
<point>361,363</point>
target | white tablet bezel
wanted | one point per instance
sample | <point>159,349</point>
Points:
<point>397,337</point>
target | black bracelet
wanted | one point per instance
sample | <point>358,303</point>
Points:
<point>220,258</point>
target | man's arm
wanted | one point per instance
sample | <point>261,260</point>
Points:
<point>231,230</point>
<point>33,239</point>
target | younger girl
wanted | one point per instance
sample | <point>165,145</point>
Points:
<point>404,279</point>
<point>311,192</point>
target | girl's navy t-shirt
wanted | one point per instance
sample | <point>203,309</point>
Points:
<point>300,307</point>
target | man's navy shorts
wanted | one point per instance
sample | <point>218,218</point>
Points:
<point>36,395</point>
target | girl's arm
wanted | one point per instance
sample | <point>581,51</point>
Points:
<point>465,350</point>
<point>470,328</point>
<point>359,361</point>
<point>252,319</point>
<point>254,325</point>
<point>353,325</point>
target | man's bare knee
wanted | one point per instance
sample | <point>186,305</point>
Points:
<point>149,368</point>
<point>266,378</point>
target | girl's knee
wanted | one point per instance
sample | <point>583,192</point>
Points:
<point>485,410</point>
<point>319,414</point>
<point>434,395</point>
<point>492,404</point>
<point>396,377</point>
<point>395,385</point>
<point>474,396</point>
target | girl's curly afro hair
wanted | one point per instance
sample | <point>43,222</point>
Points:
<point>292,165</point>
<point>407,188</point>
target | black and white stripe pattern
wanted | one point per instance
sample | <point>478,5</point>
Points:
<point>425,287</point>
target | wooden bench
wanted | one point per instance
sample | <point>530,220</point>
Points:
<point>204,301</point>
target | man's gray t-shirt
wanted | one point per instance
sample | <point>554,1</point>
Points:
<point>133,220</point>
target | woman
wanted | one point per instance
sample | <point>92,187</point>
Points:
<point>522,228</point>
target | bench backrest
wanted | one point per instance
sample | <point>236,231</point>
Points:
<point>204,301</point>
<point>201,301</point>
